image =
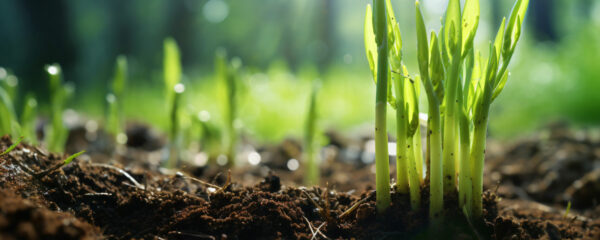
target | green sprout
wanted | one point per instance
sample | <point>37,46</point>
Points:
<point>28,118</point>
<point>311,153</point>
<point>12,147</point>
<point>460,88</point>
<point>432,74</point>
<point>70,158</point>
<point>567,210</point>
<point>406,104</point>
<point>8,88</point>
<point>174,90</point>
<point>489,85</point>
<point>115,118</point>
<point>227,73</point>
<point>10,83</point>
<point>59,94</point>
<point>8,119</point>
<point>376,45</point>
<point>210,140</point>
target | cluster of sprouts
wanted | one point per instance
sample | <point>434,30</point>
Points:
<point>460,85</point>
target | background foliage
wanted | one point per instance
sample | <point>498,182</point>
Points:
<point>284,45</point>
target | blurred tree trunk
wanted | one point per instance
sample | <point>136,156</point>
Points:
<point>541,17</point>
<point>47,26</point>
<point>180,26</point>
<point>325,33</point>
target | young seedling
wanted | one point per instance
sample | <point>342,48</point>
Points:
<point>45,172</point>
<point>459,88</point>
<point>8,119</point>
<point>210,135</point>
<point>115,119</point>
<point>28,119</point>
<point>13,146</point>
<point>227,73</point>
<point>176,138</point>
<point>10,83</point>
<point>174,89</point>
<point>432,75</point>
<point>406,104</point>
<point>57,133</point>
<point>489,86</point>
<point>311,152</point>
<point>376,45</point>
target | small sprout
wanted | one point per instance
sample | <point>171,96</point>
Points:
<point>47,171</point>
<point>114,99</point>
<point>567,210</point>
<point>13,146</point>
<point>376,44</point>
<point>28,118</point>
<point>228,73</point>
<point>8,118</point>
<point>458,83</point>
<point>174,90</point>
<point>57,133</point>
<point>70,158</point>
<point>311,149</point>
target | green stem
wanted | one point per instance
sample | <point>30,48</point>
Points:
<point>435,153</point>
<point>312,168</point>
<point>414,182</point>
<point>478,152</point>
<point>401,141</point>
<point>465,178</point>
<point>450,145</point>
<point>418,153</point>
<point>174,139</point>
<point>478,156</point>
<point>382,164</point>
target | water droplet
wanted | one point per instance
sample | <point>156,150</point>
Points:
<point>293,164</point>
<point>254,158</point>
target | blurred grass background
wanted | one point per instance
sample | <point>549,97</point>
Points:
<point>283,45</point>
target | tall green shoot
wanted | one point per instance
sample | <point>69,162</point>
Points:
<point>489,87</point>
<point>174,89</point>
<point>227,73</point>
<point>115,119</point>
<point>8,123</point>
<point>398,78</point>
<point>10,83</point>
<point>452,44</point>
<point>311,150</point>
<point>377,48</point>
<point>59,93</point>
<point>28,119</point>
<point>432,76</point>
<point>8,120</point>
<point>470,22</point>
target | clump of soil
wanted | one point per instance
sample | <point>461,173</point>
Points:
<point>22,219</point>
<point>555,167</point>
<point>77,200</point>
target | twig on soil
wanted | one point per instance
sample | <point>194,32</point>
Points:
<point>195,235</point>
<point>122,172</point>
<point>326,208</point>
<point>227,182</point>
<point>97,194</point>
<point>353,208</point>
<point>315,232</point>
<point>203,182</point>
<point>311,200</point>
<point>39,174</point>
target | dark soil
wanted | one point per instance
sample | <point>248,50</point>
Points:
<point>89,200</point>
<point>555,167</point>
